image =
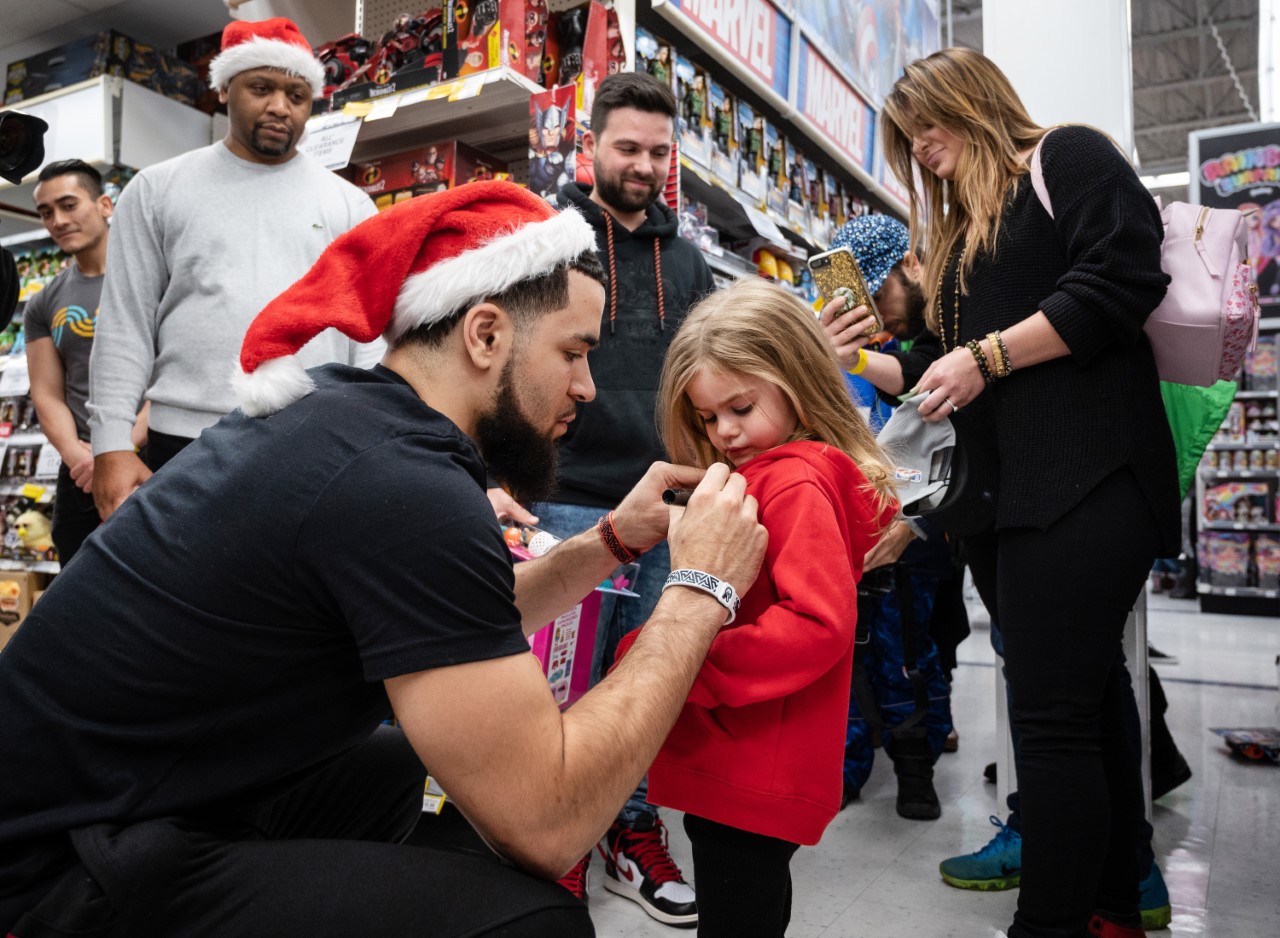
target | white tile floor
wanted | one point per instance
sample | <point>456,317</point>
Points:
<point>1217,837</point>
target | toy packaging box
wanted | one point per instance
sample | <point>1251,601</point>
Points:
<point>1266,553</point>
<point>18,589</point>
<point>1258,743</point>
<point>775,175</point>
<point>423,170</point>
<point>1224,558</point>
<point>691,123</point>
<point>483,34</point>
<point>565,647</point>
<point>553,140</point>
<point>724,141</point>
<point>104,53</point>
<point>1260,365</point>
<point>750,133</point>
<point>654,56</point>
<point>1244,502</point>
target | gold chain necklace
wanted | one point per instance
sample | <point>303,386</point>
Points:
<point>955,320</point>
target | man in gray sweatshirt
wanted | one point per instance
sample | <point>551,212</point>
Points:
<point>200,244</point>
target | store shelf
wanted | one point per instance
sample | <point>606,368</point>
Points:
<point>1238,526</point>
<point>1256,395</point>
<point>731,265</point>
<point>738,216</point>
<point>1240,473</point>
<point>1251,592</point>
<point>1257,444</point>
<point>35,566</point>
<point>489,110</point>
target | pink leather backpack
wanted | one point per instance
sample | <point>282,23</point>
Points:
<point>1208,319</point>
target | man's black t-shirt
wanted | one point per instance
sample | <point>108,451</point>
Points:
<point>228,629</point>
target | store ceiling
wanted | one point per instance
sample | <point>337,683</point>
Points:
<point>1181,81</point>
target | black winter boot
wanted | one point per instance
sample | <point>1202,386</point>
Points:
<point>913,764</point>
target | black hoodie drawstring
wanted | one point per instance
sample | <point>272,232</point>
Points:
<point>613,277</point>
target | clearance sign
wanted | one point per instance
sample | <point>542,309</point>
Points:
<point>830,104</point>
<point>753,31</point>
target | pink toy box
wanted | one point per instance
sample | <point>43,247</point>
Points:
<point>565,647</point>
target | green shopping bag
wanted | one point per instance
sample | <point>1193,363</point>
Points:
<point>1194,416</point>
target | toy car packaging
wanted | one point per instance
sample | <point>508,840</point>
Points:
<point>423,170</point>
<point>691,97</point>
<point>344,60</point>
<point>483,34</point>
<point>552,140</point>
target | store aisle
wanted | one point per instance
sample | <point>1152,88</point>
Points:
<point>875,875</point>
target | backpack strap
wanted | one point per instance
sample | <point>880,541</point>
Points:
<point>1037,177</point>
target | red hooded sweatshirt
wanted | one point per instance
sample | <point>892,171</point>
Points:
<point>760,742</point>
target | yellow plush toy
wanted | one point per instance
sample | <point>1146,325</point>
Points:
<point>34,531</point>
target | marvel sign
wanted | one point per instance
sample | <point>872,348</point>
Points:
<point>753,31</point>
<point>838,112</point>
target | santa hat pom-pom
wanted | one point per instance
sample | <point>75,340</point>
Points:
<point>272,386</point>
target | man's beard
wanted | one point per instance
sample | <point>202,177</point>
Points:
<point>616,194</point>
<point>270,149</point>
<point>516,452</point>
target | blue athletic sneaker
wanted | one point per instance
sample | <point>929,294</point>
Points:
<point>1153,901</point>
<point>998,865</point>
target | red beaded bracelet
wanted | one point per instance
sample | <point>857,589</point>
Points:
<point>609,535</point>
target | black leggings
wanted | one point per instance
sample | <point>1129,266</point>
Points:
<point>743,881</point>
<point>323,860</point>
<point>1062,596</point>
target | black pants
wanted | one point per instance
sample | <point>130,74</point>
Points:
<point>161,447</point>
<point>743,881</point>
<point>1062,596</point>
<point>74,516</point>
<point>325,859</point>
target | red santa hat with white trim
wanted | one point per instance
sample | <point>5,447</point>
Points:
<point>274,43</point>
<point>416,263</point>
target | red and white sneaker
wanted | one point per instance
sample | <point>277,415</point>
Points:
<point>638,866</point>
<point>576,879</point>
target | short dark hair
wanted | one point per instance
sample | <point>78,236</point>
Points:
<point>523,301</point>
<point>90,179</point>
<point>638,90</point>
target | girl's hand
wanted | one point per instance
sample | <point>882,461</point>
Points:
<point>951,382</point>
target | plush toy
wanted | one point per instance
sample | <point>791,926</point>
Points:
<point>34,531</point>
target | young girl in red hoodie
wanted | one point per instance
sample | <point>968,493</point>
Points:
<point>754,760</point>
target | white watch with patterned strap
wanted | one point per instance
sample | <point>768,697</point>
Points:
<point>722,590</point>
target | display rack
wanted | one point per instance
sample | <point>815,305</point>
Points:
<point>1243,598</point>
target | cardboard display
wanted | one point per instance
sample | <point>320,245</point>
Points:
<point>423,170</point>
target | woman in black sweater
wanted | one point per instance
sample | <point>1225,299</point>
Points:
<point>1042,326</point>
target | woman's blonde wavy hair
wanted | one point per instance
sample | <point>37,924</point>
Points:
<point>757,328</point>
<point>963,92</point>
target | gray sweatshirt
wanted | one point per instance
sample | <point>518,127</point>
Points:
<point>199,245</point>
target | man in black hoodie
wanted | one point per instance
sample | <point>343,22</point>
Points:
<point>654,277</point>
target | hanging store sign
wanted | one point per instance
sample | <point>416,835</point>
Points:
<point>754,32</point>
<point>831,105</point>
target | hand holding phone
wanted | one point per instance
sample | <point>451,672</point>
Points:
<point>836,275</point>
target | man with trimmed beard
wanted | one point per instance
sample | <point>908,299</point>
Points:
<point>200,244</point>
<point>654,277</point>
<point>194,738</point>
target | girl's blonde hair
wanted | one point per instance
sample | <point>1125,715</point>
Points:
<point>757,328</point>
<point>963,92</point>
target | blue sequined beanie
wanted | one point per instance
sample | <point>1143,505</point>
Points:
<point>878,243</point>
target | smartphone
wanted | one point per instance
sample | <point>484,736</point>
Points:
<point>838,270</point>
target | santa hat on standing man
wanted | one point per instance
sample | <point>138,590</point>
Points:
<point>274,43</point>
<point>416,263</point>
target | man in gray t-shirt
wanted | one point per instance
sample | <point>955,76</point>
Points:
<point>60,322</point>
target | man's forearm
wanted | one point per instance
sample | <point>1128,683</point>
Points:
<point>884,372</point>
<point>553,583</point>
<point>58,424</point>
